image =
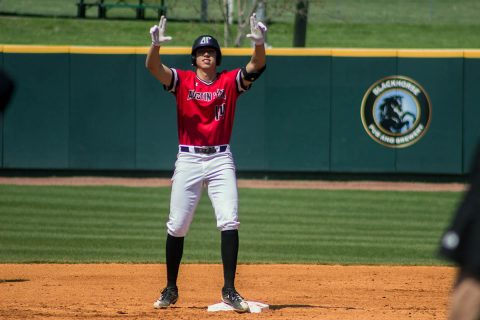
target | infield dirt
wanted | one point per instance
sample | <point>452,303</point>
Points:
<point>242,183</point>
<point>127,291</point>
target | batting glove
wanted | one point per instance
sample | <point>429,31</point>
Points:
<point>158,32</point>
<point>257,31</point>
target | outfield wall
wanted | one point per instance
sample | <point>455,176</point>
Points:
<point>87,108</point>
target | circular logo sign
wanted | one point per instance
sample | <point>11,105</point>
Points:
<point>396,111</point>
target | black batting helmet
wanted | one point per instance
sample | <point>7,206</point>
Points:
<point>206,41</point>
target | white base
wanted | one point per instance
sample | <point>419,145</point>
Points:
<point>255,307</point>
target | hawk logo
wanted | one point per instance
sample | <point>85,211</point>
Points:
<point>220,112</point>
<point>205,40</point>
<point>396,111</point>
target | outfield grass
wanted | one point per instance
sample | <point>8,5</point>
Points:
<point>16,30</point>
<point>121,224</point>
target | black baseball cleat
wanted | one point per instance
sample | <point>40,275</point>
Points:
<point>231,297</point>
<point>168,296</point>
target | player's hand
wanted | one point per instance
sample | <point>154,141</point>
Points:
<point>257,31</point>
<point>158,32</point>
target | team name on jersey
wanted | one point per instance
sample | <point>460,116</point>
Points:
<point>206,96</point>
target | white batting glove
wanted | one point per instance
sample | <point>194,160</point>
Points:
<point>158,32</point>
<point>257,31</point>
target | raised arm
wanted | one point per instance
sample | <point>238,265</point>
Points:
<point>256,65</point>
<point>153,62</point>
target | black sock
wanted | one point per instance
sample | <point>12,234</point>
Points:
<point>229,256</point>
<point>174,252</point>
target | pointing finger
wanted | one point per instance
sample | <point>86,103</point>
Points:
<point>163,22</point>
<point>252,23</point>
<point>253,19</point>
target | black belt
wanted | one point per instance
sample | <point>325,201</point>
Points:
<point>204,150</point>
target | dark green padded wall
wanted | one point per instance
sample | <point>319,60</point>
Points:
<point>297,113</point>
<point>106,112</point>
<point>36,132</point>
<point>352,148</point>
<point>471,115</point>
<point>102,116</point>
<point>440,149</point>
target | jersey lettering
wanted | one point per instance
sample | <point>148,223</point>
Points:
<point>206,96</point>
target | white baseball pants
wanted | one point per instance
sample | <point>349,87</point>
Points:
<point>192,171</point>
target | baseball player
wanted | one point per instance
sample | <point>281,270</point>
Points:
<point>461,244</point>
<point>206,101</point>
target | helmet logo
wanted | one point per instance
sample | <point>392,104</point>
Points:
<point>205,40</point>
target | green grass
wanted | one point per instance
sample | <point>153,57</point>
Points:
<point>337,24</point>
<point>120,224</point>
<point>58,31</point>
<point>61,31</point>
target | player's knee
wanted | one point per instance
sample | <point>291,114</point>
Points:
<point>227,216</point>
<point>176,230</point>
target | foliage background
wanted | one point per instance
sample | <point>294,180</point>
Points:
<point>331,23</point>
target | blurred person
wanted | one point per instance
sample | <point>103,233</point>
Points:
<point>461,244</point>
<point>6,89</point>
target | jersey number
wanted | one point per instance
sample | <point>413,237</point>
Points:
<point>219,112</point>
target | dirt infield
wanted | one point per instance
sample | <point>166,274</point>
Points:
<point>127,291</point>
<point>242,183</point>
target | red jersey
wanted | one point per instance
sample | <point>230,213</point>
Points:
<point>205,111</point>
